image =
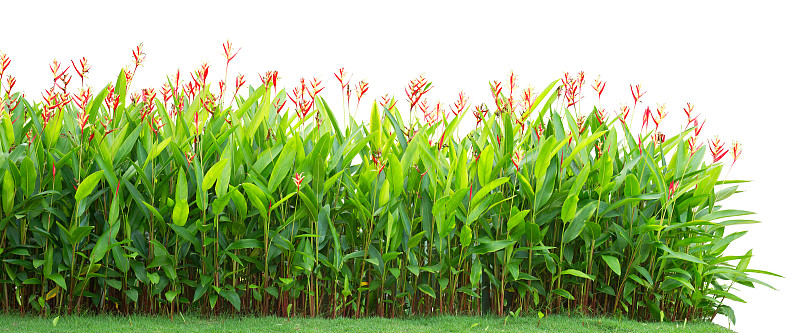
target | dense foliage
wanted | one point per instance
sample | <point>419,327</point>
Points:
<point>155,202</point>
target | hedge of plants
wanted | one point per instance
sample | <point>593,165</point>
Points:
<point>221,198</point>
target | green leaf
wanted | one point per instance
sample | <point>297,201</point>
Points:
<point>581,145</point>
<point>256,197</point>
<point>492,246</point>
<point>87,185</point>
<point>517,219</point>
<point>210,177</point>
<point>575,226</point>
<point>185,234</point>
<point>575,272</point>
<point>684,257</point>
<point>245,244</point>
<point>155,152</point>
<point>465,236</point>
<point>283,165</point>
<point>485,164</point>
<point>564,293</point>
<point>8,192</point>
<point>180,212</point>
<point>569,207</point>
<point>612,263</point>
<point>28,176</point>
<point>171,295</point>
<point>425,288</point>
<point>476,199</point>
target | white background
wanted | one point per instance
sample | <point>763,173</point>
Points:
<point>737,62</point>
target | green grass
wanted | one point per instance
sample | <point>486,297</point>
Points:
<point>106,323</point>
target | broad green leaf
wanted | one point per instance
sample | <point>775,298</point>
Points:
<point>492,246</point>
<point>612,263</point>
<point>476,199</point>
<point>87,185</point>
<point>27,176</point>
<point>210,177</point>
<point>283,165</point>
<point>577,273</point>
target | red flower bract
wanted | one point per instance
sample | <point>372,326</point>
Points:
<point>298,179</point>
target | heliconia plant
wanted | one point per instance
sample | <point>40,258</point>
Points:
<point>182,200</point>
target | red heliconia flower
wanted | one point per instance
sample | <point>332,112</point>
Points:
<point>12,102</point>
<point>4,62</point>
<point>539,132</point>
<point>646,118</point>
<point>226,51</point>
<point>166,92</point>
<point>516,159</point>
<point>10,82</point>
<point>208,103</point>
<point>135,97</point>
<point>200,75</point>
<point>697,128</point>
<point>340,76</point>
<point>572,88</point>
<point>222,86</point>
<point>176,83</point>
<point>718,150</point>
<point>197,121</point>
<point>376,158</point>
<point>298,179</point>
<point>624,110</point>
<point>388,102</point>
<point>512,79</point>
<point>639,138</point>
<point>496,89</point>
<point>84,68</point>
<point>599,86</point>
<point>278,104</point>
<point>54,170</point>
<point>50,104</point>
<point>659,137</point>
<point>155,124</point>
<point>271,77</point>
<point>81,100</point>
<point>601,116</point>
<point>361,89</point>
<point>430,116</point>
<point>637,95</point>
<point>528,95</point>
<point>148,98</point>
<point>673,186</point>
<point>460,104</point>
<point>660,114</point>
<point>416,88</point>
<point>316,88</point>
<point>138,56</point>
<point>688,110</point>
<point>55,68</point>
<point>480,113</point>
<point>128,76</point>
<point>295,96</point>
<point>239,82</point>
<point>64,82</point>
<point>737,151</point>
<point>693,148</point>
<point>581,122</point>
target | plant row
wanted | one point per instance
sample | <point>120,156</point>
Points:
<point>156,202</point>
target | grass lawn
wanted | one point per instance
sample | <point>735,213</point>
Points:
<point>108,323</point>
